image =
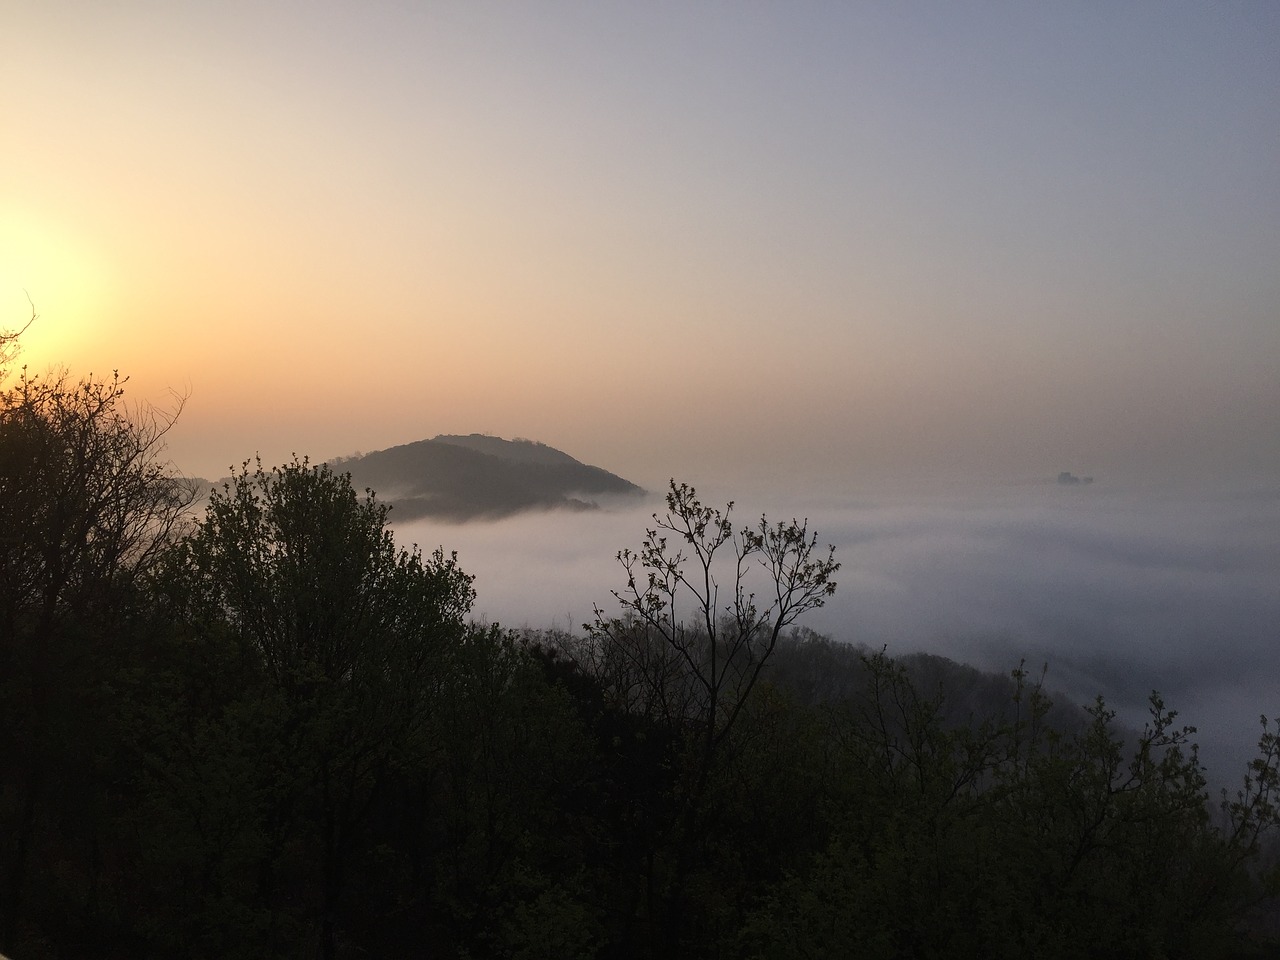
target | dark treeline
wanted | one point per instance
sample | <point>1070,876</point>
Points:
<point>268,731</point>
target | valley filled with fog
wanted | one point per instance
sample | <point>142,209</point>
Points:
<point>1117,591</point>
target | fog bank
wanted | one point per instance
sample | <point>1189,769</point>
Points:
<point>1119,592</point>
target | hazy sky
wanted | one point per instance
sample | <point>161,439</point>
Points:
<point>809,241</point>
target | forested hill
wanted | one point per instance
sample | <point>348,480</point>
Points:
<point>462,478</point>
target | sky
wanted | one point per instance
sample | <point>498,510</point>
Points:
<point>803,246</point>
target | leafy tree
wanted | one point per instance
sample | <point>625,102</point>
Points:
<point>349,635</point>
<point>515,796</point>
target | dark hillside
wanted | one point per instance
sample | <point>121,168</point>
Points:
<point>818,670</point>
<point>518,450</point>
<point>464,478</point>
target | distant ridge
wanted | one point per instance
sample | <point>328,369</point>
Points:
<point>459,478</point>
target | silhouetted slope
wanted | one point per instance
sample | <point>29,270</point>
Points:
<point>818,670</point>
<point>463,478</point>
<point>522,451</point>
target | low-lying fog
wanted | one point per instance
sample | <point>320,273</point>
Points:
<point>1118,591</point>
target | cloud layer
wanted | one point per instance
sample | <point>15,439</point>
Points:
<point>1119,593</point>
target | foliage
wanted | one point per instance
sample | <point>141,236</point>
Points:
<point>87,507</point>
<point>310,576</point>
<point>1012,839</point>
<point>86,500</point>
<point>347,635</point>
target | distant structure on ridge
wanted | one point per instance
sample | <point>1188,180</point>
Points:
<point>1068,479</point>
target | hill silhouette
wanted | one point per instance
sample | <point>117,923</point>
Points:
<point>459,478</point>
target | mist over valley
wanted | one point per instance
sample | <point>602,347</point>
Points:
<point>1118,591</point>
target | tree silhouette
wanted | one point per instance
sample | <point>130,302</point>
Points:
<point>690,654</point>
<point>88,505</point>
<point>350,633</point>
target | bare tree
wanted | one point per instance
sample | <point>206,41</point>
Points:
<point>9,341</point>
<point>688,649</point>
<point>694,650</point>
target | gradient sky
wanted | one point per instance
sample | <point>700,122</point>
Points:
<point>814,242</point>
